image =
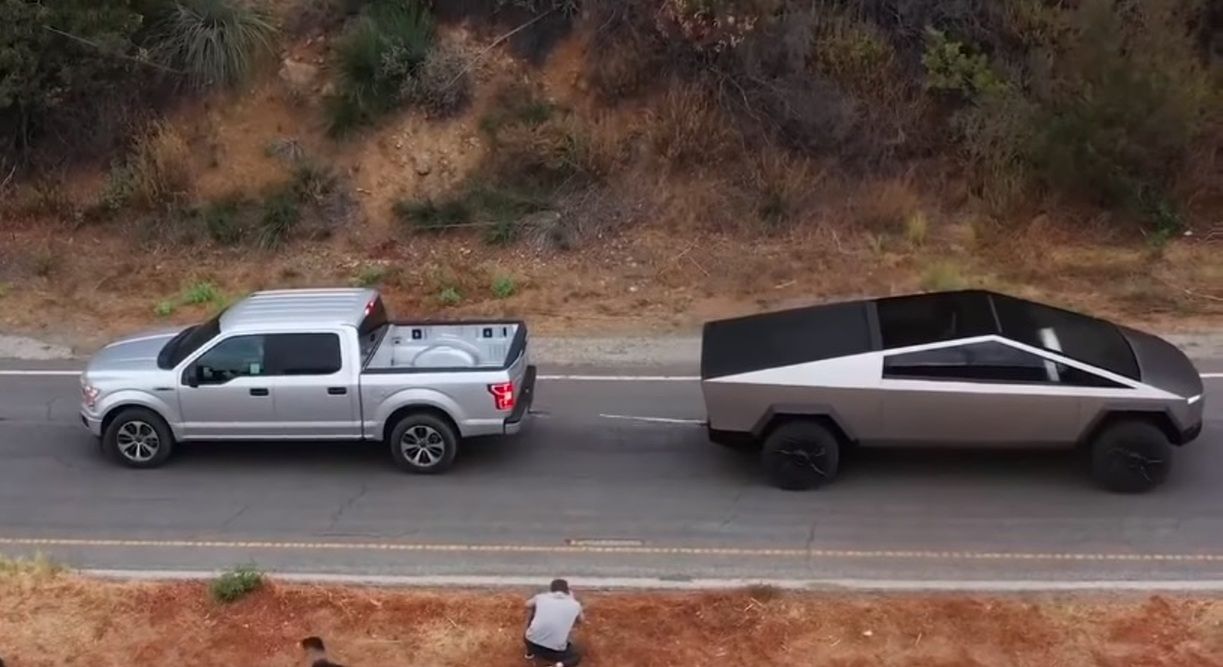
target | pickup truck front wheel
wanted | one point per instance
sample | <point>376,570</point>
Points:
<point>800,455</point>
<point>424,443</point>
<point>138,438</point>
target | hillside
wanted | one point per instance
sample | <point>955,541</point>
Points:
<point>607,165</point>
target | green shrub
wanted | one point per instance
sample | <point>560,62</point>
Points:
<point>164,308</point>
<point>221,223</point>
<point>281,213</point>
<point>429,215</point>
<point>215,42</point>
<point>370,276</point>
<point>377,55</point>
<point>201,293</point>
<point>236,584</point>
<point>449,297</point>
<point>950,68</point>
<point>504,287</point>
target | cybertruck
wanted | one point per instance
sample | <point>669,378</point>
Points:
<point>964,368</point>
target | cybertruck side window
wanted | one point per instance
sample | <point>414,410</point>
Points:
<point>987,362</point>
<point>920,319</point>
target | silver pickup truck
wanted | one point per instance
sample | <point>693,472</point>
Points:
<point>319,364</point>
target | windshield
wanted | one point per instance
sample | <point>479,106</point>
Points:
<point>187,341</point>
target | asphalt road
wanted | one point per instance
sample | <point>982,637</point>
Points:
<point>583,494</point>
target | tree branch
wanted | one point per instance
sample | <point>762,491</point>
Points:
<point>121,56</point>
<point>483,52</point>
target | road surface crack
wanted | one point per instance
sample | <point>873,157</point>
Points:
<point>809,545</point>
<point>347,505</point>
<point>226,524</point>
<point>733,512</point>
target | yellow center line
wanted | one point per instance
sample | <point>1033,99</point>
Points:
<point>598,550</point>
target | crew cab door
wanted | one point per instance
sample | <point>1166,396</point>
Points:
<point>980,392</point>
<point>225,393</point>
<point>317,397</point>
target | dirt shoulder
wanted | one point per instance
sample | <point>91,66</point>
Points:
<point>66,619</point>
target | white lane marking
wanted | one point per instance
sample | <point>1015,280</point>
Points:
<point>651,583</point>
<point>622,378</point>
<point>550,378</point>
<point>654,420</point>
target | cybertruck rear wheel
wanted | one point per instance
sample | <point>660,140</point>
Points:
<point>800,455</point>
<point>1131,457</point>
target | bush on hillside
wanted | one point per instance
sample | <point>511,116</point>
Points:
<point>66,73</point>
<point>214,42</point>
<point>381,52</point>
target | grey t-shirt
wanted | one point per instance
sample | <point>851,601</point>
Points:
<point>555,614</point>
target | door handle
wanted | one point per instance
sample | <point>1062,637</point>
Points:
<point>259,392</point>
<point>337,391</point>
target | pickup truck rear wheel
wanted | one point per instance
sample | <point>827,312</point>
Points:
<point>800,455</point>
<point>424,443</point>
<point>138,438</point>
<point>1131,457</point>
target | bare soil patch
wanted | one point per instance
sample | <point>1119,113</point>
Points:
<point>56,620</point>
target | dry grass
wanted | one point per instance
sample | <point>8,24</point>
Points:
<point>886,206</point>
<point>160,167</point>
<point>688,128</point>
<point>51,620</point>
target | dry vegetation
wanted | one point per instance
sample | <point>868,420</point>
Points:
<point>50,619</point>
<point>639,164</point>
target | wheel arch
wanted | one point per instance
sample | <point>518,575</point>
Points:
<point>113,413</point>
<point>781,414</point>
<point>418,408</point>
<point>1107,418</point>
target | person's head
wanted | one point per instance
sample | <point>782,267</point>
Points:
<point>559,586</point>
<point>313,646</point>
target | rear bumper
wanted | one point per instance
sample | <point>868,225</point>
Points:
<point>522,408</point>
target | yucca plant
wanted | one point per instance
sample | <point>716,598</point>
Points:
<point>381,51</point>
<point>214,42</point>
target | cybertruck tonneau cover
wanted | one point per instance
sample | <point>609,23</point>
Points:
<point>785,338</point>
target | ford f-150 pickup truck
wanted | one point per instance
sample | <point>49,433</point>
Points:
<point>317,364</point>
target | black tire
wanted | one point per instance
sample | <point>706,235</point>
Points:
<point>424,443</point>
<point>801,455</point>
<point>138,438</point>
<point>1131,457</point>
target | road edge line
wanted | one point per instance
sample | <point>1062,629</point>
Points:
<point>660,584</point>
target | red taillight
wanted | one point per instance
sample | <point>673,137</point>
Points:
<point>503,395</point>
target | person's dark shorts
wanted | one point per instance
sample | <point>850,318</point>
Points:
<point>570,657</point>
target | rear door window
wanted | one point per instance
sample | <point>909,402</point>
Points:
<point>931,318</point>
<point>303,354</point>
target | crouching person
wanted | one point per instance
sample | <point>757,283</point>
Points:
<point>551,618</point>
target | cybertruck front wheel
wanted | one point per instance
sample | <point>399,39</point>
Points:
<point>1131,457</point>
<point>800,455</point>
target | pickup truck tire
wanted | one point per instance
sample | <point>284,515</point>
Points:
<point>138,438</point>
<point>1130,457</point>
<point>800,455</point>
<point>424,443</point>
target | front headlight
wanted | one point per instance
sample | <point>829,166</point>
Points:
<point>1194,399</point>
<point>89,395</point>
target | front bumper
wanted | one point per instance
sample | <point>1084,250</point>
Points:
<point>513,423</point>
<point>92,422</point>
<point>1190,434</point>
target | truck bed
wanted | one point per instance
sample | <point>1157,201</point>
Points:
<point>404,346</point>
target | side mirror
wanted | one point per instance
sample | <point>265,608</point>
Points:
<point>191,376</point>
